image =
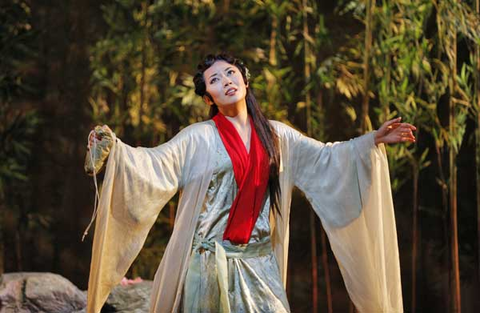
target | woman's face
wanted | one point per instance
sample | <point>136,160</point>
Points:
<point>225,84</point>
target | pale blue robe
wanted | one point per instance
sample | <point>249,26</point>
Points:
<point>254,284</point>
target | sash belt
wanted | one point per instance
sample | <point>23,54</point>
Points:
<point>223,251</point>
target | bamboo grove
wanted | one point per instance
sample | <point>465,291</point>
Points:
<point>333,70</point>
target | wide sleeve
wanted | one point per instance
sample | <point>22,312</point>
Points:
<point>138,182</point>
<point>348,185</point>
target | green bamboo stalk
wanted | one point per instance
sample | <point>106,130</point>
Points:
<point>18,251</point>
<point>313,237</point>
<point>477,137</point>
<point>144,64</point>
<point>313,248</point>
<point>323,238</point>
<point>366,66</point>
<point>414,237</point>
<point>416,168</point>
<point>455,283</point>
<point>272,57</point>
<point>444,184</point>
<point>171,215</point>
<point>2,230</point>
<point>444,188</point>
<point>351,307</point>
<point>226,6</point>
<point>307,69</point>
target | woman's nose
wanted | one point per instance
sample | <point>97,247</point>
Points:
<point>227,81</point>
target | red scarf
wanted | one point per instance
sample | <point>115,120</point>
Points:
<point>251,174</point>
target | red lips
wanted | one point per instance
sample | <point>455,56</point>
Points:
<point>230,89</point>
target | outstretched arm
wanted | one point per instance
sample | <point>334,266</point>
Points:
<point>348,185</point>
<point>138,183</point>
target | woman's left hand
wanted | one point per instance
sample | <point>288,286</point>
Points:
<point>393,132</point>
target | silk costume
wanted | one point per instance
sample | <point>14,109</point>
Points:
<point>252,276</point>
<point>347,184</point>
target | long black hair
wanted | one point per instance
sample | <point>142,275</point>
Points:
<point>264,129</point>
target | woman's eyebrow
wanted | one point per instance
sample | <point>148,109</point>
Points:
<point>217,73</point>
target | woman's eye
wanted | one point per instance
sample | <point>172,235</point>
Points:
<point>231,71</point>
<point>213,80</point>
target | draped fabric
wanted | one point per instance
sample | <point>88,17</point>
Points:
<point>347,184</point>
<point>251,174</point>
<point>138,183</point>
<point>241,278</point>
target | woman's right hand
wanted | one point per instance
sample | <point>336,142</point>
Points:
<point>100,142</point>
<point>98,134</point>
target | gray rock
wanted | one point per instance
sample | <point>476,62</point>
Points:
<point>132,298</point>
<point>52,293</point>
<point>39,292</point>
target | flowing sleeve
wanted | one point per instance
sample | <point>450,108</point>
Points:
<point>348,185</point>
<point>138,182</point>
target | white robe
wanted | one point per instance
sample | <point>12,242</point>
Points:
<point>347,183</point>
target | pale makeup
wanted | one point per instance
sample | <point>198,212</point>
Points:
<point>225,84</point>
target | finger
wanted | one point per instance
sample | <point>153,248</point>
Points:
<point>394,125</point>
<point>405,131</point>
<point>396,129</point>
<point>412,127</point>
<point>395,120</point>
<point>409,137</point>
<point>406,136</point>
<point>409,126</point>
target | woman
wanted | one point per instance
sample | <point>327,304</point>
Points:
<point>229,248</point>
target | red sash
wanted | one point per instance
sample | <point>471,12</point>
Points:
<point>251,174</point>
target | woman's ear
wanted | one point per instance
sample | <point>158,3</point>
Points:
<point>207,100</point>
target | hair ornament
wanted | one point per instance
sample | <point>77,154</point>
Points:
<point>247,73</point>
